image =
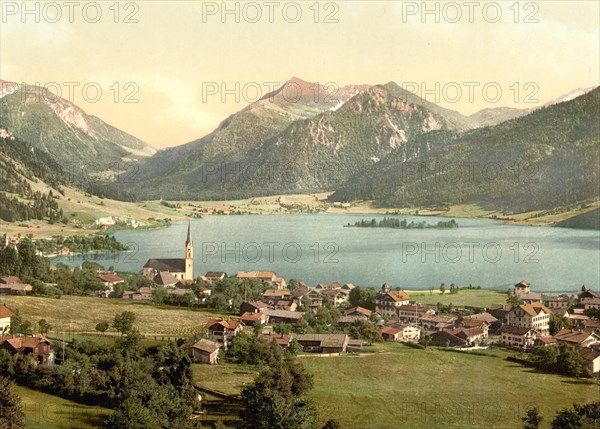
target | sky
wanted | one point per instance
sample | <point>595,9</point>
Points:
<point>170,72</point>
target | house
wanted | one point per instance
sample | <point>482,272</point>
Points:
<point>357,311</point>
<point>315,299</point>
<point>387,302</point>
<point>143,294</point>
<point>323,343</point>
<point>279,283</point>
<point>15,288</point>
<point>545,341</point>
<point>348,287</point>
<point>63,251</point>
<point>434,323</point>
<point>591,359</point>
<point>534,316</point>
<point>472,336</point>
<point>180,268</point>
<point>109,279</point>
<point>5,317</point>
<point>523,292</point>
<point>271,296</point>
<point>10,280</point>
<point>471,323</point>
<point>224,330</point>
<point>178,291</point>
<point>251,319</point>
<point>38,348</point>
<point>299,293</point>
<point>286,305</point>
<point>215,275</point>
<point>205,351</point>
<point>345,321</point>
<point>586,296</point>
<point>282,316</point>
<point>336,296</point>
<point>518,337</point>
<point>253,307</point>
<point>558,303</point>
<point>264,276</point>
<point>445,338</point>
<point>165,279</point>
<point>282,340</point>
<point>486,317</point>
<point>412,313</point>
<point>401,332</point>
<point>577,337</point>
<point>593,303</point>
<point>500,311</point>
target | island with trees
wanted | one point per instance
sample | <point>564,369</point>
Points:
<point>396,223</point>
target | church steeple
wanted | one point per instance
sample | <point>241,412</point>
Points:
<point>189,255</point>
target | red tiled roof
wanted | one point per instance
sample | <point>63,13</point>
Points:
<point>109,278</point>
<point>5,312</point>
<point>10,279</point>
<point>206,345</point>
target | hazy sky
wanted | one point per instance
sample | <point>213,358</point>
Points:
<point>173,60</point>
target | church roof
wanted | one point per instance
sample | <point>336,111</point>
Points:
<point>165,278</point>
<point>173,265</point>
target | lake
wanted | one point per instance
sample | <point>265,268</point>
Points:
<point>317,248</point>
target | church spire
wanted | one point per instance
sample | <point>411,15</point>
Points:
<point>189,235</point>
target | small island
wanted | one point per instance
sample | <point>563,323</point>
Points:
<point>402,224</point>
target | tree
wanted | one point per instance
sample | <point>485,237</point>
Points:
<point>425,339</point>
<point>557,323</point>
<point>512,299</point>
<point>569,361</point>
<point>332,424</point>
<point>532,419</point>
<point>102,327</point>
<point>44,326</point>
<point>566,419</point>
<point>362,297</point>
<point>442,288</point>
<point>11,411</point>
<point>123,322</point>
<point>430,293</point>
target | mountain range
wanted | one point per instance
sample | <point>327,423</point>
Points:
<point>363,142</point>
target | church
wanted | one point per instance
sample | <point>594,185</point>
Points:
<point>180,268</point>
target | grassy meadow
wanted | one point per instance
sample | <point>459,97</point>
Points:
<point>81,314</point>
<point>472,297</point>
<point>43,411</point>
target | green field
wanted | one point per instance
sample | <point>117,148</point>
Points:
<point>81,314</point>
<point>472,297</point>
<point>226,378</point>
<point>43,411</point>
<point>410,388</point>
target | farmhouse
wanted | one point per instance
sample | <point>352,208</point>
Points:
<point>180,268</point>
<point>5,317</point>
<point>251,319</point>
<point>282,340</point>
<point>205,351</point>
<point>577,337</point>
<point>224,330</point>
<point>286,305</point>
<point>323,343</point>
<point>215,275</point>
<point>271,296</point>
<point>587,296</point>
<point>401,333</point>
<point>412,313</point>
<point>356,311</point>
<point>387,302</point>
<point>38,349</point>
<point>336,296</point>
<point>253,307</point>
<point>591,359</point>
<point>445,338</point>
<point>109,278</point>
<point>434,323</point>
<point>345,321</point>
<point>282,316</point>
<point>558,303</point>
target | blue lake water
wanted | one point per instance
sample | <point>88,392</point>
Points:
<point>317,248</point>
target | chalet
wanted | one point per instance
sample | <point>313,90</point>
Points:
<point>271,296</point>
<point>205,351</point>
<point>412,313</point>
<point>577,337</point>
<point>282,316</point>
<point>5,317</point>
<point>253,307</point>
<point>180,268</point>
<point>591,359</point>
<point>165,279</point>
<point>587,296</point>
<point>38,348</point>
<point>323,343</point>
<point>109,279</point>
<point>336,296</point>
<point>534,316</point>
<point>445,338</point>
<point>345,321</point>
<point>434,323</point>
<point>518,337</point>
<point>401,333</point>
<point>282,340</point>
<point>387,302</point>
<point>286,305</point>
<point>348,286</point>
<point>215,275</point>
<point>224,330</point>
<point>251,319</point>
<point>356,311</point>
